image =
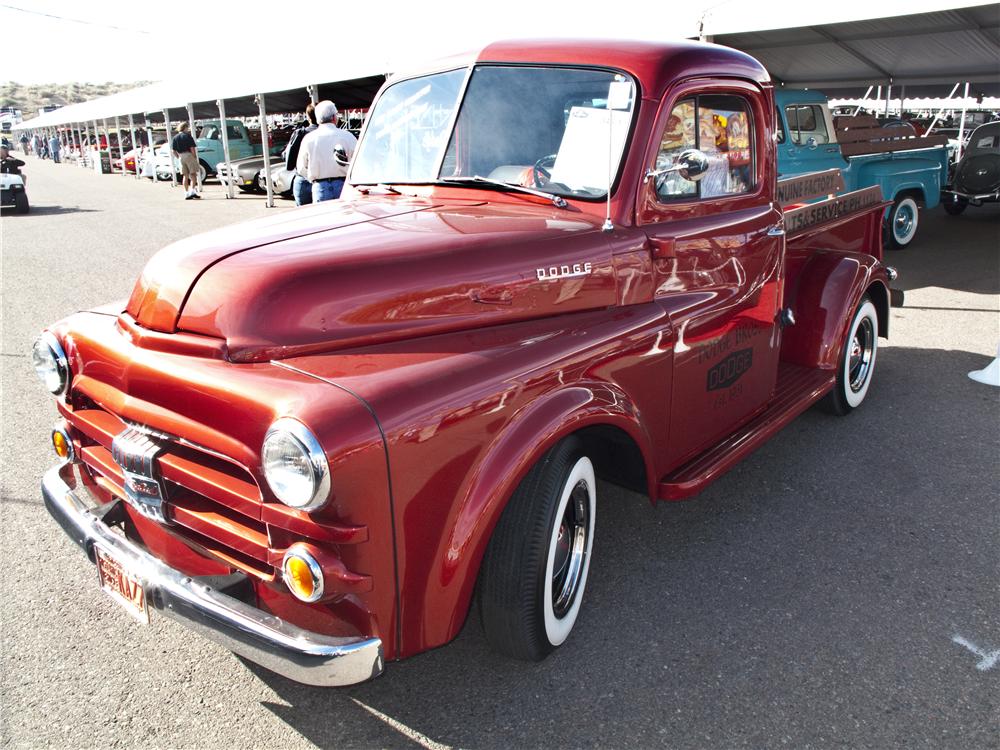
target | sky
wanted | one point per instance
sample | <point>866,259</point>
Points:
<point>65,41</point>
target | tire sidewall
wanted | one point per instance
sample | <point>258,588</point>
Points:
<point>852,398</point>
<point>557,630</point>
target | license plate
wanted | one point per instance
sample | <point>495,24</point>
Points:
<point>121,585</point>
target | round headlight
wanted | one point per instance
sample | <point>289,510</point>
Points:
<point>295,465</point>
<point>50,363</point>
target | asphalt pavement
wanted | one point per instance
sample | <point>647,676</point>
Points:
<point>838,588</point>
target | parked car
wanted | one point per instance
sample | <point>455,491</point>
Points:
<point>976,177</point>
<point>909,171</point>
<point>281,180</point>
<point>319,438</point>
<point>250,171</point>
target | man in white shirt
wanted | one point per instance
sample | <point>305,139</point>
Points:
<point>320,160</point>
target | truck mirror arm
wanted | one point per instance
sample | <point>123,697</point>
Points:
<point>691,163</point>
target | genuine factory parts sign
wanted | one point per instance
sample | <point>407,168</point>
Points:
<point>808,186</point>
<point>804,217</point>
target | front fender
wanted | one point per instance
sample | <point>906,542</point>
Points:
<point>528,436</point>
<point>824,296</point>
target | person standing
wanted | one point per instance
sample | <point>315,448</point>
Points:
<point>186,150</point>
<point>24,143</point>
<point>325,154</point>
<point>301,187</point>
<point>54,146</point>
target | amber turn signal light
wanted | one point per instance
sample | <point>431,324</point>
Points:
<point>302,574</point>
<point>62,444</point>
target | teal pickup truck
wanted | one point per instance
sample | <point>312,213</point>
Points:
<point>243,143</point>
<point>910,170</point>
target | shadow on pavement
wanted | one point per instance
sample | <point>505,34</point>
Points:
<point>811,594</point>
<point>54,210</point>
<point>952,252</point>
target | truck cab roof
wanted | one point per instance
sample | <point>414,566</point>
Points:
<point>654,65</point>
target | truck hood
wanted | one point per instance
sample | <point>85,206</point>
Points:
<point>346,274</point>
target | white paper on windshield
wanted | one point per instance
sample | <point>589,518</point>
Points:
<point>592,138</point>
<point>619,95</point>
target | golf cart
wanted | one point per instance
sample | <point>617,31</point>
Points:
<point>12,192</point>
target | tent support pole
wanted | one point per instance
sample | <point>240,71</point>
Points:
<point>941,111</point>
<point>170,152</point>
<point>121,146</point>
<point>135,145</point>
<point>961,125</point>
<point>264,140</point>
<point>863,98</point>
<point>313,90</point>
<point>193,131</point>
<point>225,149</point>
<point>888,96</point>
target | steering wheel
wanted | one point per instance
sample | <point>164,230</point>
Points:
<point>538,170</point>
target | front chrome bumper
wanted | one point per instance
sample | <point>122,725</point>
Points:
<point>300,655</point>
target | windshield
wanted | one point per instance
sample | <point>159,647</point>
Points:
<point>561,130</point>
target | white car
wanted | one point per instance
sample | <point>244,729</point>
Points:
<point>281,178</point>
<point>163,161</point>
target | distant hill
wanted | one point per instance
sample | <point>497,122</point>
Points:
<point>29,99</point>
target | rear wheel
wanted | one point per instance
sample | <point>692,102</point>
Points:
<point>857,362</point>
<point>535,570</point>
<point>21,202</point>
<point>954,205</point>
<point>903,220</point>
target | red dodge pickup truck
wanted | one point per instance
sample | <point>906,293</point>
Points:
<point>321,437</point>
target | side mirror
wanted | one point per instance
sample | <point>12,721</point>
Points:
<point>341,156</point>
<point>693,164</point>
<point>811,143</point>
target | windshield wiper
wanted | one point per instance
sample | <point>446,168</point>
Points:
<point>557,200</point>
<point>382,185</point>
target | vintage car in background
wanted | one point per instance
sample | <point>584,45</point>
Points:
<point>319,438</point>
<point>975,178</point>
<point>909,170</point>
<point>243,143</point>
<point>250,174</point>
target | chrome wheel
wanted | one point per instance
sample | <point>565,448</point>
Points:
<point>569,551</point>
<point>861,355</point>
<point>904,219</point>
<point>572,536</point>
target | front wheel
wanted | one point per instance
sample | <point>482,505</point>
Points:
<point>535,570</point>
<point>857,362</point>
<point>903,220</point>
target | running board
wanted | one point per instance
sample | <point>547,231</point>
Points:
<point>797,389</point>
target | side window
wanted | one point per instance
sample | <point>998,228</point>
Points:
<point>780,131</point>
<point>806,121</point>
<point>233,133</point>
<point>679,134</point>
<point>721,128</point>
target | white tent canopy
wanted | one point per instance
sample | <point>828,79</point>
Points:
<point>844,46</point>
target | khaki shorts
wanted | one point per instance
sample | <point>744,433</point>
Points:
<point>189,165</point>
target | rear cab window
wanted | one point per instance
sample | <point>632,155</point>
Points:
<point>806,121</point>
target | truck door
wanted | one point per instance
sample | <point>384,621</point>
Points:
<point>718,258</point>
<point>806,139</point>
